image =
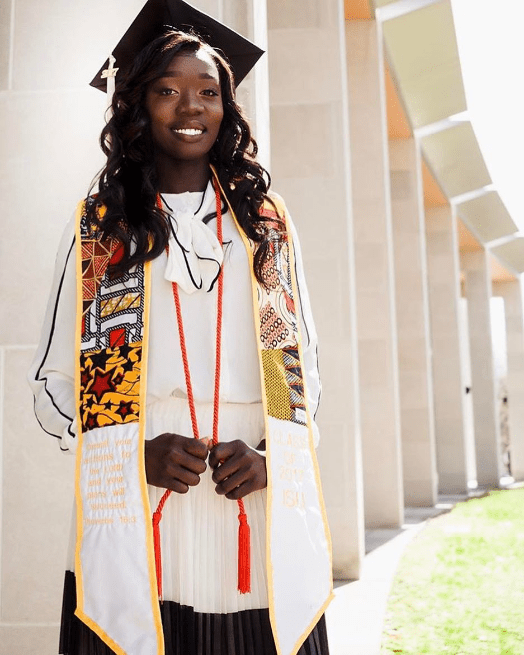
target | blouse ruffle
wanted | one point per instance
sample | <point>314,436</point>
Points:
<point>195,255</point>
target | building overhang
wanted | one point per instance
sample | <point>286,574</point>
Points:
<point>487,216</point>
<point>511,254</point>
<point>421,46</point>
<point>454,156</point>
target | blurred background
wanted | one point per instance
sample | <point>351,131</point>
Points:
<point>393,129</point>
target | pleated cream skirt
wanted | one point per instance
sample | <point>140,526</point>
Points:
<point>199,530</point>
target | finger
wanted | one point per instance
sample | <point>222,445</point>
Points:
<point>228,468</point>
<point>233,481</point>
<point>196,447</point>
<point>189,462</point>
<point>222,452</point>
<point>241,491</point>
<point>184,475</point>
<point>177,486</point>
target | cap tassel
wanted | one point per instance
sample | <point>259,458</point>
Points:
<point>244,551</point>
<point>110,74</point>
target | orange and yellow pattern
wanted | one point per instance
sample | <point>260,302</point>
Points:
<point>110,386</point>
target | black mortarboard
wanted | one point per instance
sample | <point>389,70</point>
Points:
<point>151,22</point>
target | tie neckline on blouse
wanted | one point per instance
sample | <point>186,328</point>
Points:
<point>195,255</point>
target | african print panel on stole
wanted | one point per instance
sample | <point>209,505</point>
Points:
<point>284,385</point>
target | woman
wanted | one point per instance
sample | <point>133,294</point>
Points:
<point>159,201</point>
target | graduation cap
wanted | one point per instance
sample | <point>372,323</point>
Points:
<point>158,15</point>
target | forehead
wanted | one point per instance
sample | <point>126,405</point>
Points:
<point>192,64</point>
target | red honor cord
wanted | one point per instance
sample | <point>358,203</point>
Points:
<point>244,559</point>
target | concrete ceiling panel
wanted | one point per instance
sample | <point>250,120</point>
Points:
<point>511,254</point>
<point>488,217</point>
<point>454,157</point>
<point>422,48</point>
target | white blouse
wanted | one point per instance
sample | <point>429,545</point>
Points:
<point>193,260</point>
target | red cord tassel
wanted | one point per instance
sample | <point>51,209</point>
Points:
<point>157,516</point>
<point>244,552</point>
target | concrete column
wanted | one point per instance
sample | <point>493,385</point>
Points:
<point>514,312</point>
<point>448,384</point>
<point>377,338</point>
<point>416,382</point>
<point>310,169</point>
<point>487,429</point>
<point>249,18</point>
<point>465,361</point>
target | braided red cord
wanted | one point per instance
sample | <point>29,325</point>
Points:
<point>187,374</point>
<point>216,397</point>
<point>244,564</point>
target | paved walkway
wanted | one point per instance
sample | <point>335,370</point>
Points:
<point>355,618</point>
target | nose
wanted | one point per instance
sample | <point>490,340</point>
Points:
<point>190,103</point>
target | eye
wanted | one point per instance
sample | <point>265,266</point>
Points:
<point>211,93</point>
<point>166,91</point>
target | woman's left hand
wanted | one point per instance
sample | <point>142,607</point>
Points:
<point>238,469</point>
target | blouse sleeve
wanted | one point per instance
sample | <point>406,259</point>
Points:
<point>51,375</point>
<point>309,334</point>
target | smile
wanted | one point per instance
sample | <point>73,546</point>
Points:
<point>189,131</point>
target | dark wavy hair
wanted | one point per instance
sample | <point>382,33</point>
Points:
<point>128,185</point>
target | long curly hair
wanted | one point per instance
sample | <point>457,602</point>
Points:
<point>128,185</point>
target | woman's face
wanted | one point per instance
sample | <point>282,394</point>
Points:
<point>185,108</point>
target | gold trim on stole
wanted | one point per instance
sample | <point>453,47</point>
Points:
<point>141,468</point>
<point>254,286</point>
<point>327,531</point>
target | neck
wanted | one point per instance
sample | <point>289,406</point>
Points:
<point>180,176</point>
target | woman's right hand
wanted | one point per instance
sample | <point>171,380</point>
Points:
<point>175,462</point>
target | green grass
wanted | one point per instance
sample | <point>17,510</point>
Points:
<point>459,588</point>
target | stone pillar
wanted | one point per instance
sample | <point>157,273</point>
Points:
<point>448,384</point>
<point>487,430</point>
<point>377,338</point>
<point>310,169</point>
<point>514,312</point>
<point>416,382</point>
<point>249,18</point>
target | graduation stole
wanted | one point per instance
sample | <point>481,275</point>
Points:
<point>114,560</point>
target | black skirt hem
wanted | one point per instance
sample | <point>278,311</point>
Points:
<point>187,632</point>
